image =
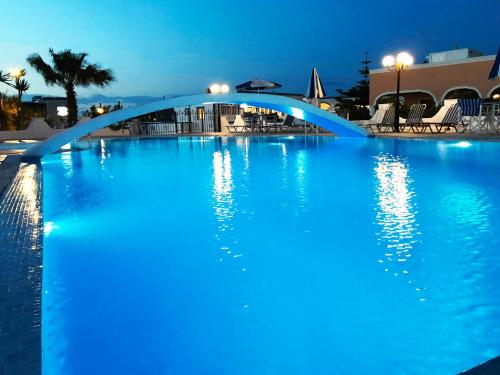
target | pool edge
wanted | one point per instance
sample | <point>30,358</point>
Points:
<point>21,241</point>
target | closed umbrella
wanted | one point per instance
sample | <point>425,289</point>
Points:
<point>257,85</point>
<point>495,71</point>
<point>315,89</point>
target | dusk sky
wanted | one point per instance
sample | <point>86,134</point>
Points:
<point>171,47</point>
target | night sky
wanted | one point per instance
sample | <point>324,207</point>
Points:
<point>171,47</point>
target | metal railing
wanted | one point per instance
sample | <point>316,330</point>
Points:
<point>184,122</point>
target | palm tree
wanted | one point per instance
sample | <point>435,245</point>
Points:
<point>21,85</point>
<point>5,78</point>
<point>70,70</point>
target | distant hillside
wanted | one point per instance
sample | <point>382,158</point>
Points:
<point>126,101</point>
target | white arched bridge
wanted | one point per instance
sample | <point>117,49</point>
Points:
<point>292,107</point>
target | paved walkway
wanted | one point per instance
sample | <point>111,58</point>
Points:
<point>443,136</point>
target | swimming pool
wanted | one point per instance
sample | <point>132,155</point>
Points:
<point>271,255</point>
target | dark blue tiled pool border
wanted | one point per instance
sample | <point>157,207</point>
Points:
<point>20,267</point>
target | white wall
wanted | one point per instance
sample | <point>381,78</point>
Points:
<point>37,129</point>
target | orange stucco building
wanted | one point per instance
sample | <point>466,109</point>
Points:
<point>436,79</point>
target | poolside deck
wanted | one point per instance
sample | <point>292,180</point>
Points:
<point>443,136</point>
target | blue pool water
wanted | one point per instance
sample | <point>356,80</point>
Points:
<point>272,255</point>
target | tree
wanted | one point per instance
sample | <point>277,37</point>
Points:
<point>4,78</point>
<point>359,94</point>
<point>70,70</point>
<point>20,84</point>
<point>357,98</point>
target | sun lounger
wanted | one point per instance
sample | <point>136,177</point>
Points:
<point>439,116</point>
<point>287,123</point>
<point>387,123</point>
<point>342,112</point>
<point>452,119</point>
<point>375,120</point>
<point>414,119</point>
<point>471,113</point>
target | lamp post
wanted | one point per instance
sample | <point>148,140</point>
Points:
<point>400,63</point>
<point>17,73</point>
<point>217,88</point>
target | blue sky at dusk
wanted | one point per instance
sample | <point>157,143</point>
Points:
<point>170,47</point>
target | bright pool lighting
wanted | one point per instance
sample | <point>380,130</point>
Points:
<point>463,144</point>
<point>49,227</point>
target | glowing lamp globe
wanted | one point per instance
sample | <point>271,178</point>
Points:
<point>224,89</point>
<point>62,111</point>
<point>214,89</point>
<point>15,72</point>
<point>388,61</point>
<point>404,58</point>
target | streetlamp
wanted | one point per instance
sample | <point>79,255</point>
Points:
<point>218,88</point>
<point>399,63</point>
<point>214,89</point>
<point>16,72</point>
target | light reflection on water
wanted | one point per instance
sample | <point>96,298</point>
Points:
<point>223,202</point>
<point>396,215</point>
<point>301,179</point>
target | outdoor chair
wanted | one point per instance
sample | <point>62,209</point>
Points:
<point>376,119</point>
<point>342,112</point>
<point>452,119</point>
<point>414,119</point>
<point>231,127</point>
<point>126,125</point>
<point>387,123</point>
<point>269,123</point>
<point>287,123</point>
<point>471,113</point>
<point>441,113</point>
<point>249,124</point>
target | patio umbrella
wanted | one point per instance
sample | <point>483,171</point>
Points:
<point>315,89</point>
<point>495,71</point>
<point>257,85</point>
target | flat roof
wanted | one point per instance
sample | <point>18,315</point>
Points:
<point>438,64</point>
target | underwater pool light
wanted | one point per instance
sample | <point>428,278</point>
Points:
<point>463,144</point>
